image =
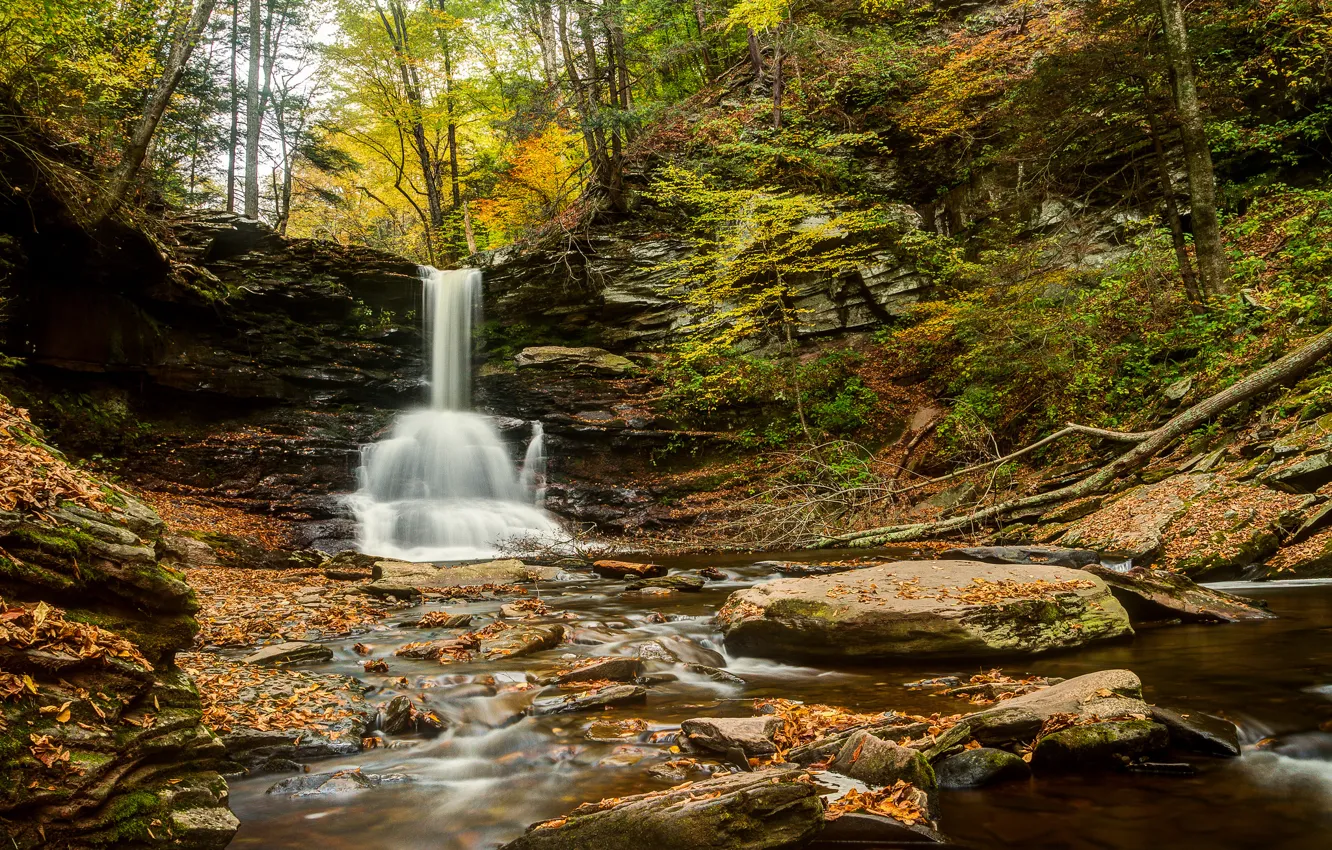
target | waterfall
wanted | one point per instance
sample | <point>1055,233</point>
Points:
<point>442,486</point>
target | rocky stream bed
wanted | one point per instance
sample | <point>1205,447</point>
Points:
<point>610,708</point>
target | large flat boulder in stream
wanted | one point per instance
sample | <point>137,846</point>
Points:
<point>1161,595</point>
<point>404,579</point>
<point>959,609</point>
<point>743,811</point>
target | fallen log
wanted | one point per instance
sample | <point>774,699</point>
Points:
<point>1152,443</point>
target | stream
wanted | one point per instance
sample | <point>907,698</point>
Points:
<point>496,770</point>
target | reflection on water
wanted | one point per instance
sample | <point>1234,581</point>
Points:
<point>498,770</point>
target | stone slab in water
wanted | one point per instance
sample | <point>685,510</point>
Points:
<point>291,652</point>
<point>1054,556</point>
<point>877,762</point>
<point>959,609</point>
<point>750,811</point>
<point>751,735</point>
<point>981,766</point>
<point>404,578</point>
<point>1197,732</point>
<point>1161,594</point>
<point>622,569</point>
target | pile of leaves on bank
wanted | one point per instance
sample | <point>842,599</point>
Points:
<point>247,696</point>
<point>42,628</point>
<point>34,476</point>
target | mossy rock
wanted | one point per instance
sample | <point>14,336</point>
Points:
<point>1114,743</point>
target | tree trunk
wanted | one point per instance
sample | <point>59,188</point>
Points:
<point>1197,157</point>
<point>550,62</point>
<point>183,40</point>
<point>709,64</point>
<point>1172,209</point>
<point>252,117</point>
<point>777,81</point>
<point>235,111</point>
<point>755,55</point>
<point>1148,446</point>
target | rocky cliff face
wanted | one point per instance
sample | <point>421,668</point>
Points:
<point>101,739</point>
<point>250,368</point>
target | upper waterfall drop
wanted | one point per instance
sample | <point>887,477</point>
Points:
<point>442,486</point>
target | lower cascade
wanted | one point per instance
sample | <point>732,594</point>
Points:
<point>443,486</point>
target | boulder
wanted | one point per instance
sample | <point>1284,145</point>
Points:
<point>522,640</point>
<point>1111,743</point>
<point>743,811</point>
<point>594,700</point>
<point>924,608</point>
<point>751,735</point>
<point>892,727</point>
<point>586,360</point>
<point>341,782</point>
<point>628,569</point>
<point>677,582</point>
<point>1053,556</point>
<point>874,761</point>
<point>613,669</point>
<point>405,580</point>
<point>1160,595</point>
<point>1199,733</point>
<point>1104,694</point>
<point>400,716</point>
<point>291,652</point>
<point>980,766</point>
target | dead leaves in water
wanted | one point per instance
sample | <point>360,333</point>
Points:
<point>896,801</point>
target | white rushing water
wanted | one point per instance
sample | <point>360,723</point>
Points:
<point>443,487</point>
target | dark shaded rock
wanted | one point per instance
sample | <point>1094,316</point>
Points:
<point>341,782</point>
<point>596,700</point>
<point>291,652</point>
<point>916,608</point>
<point>676,582</point>
<point>400,716</point>
<point>874,761</point>
<point>592,361</point>
<point>1112,743</point>
<point>982,766</point>
<point>1054,556</point>
<point>613,669</point>
<point>1161,595</point>
<point>630,569</point>
<point>1199,733</point>
<point>752,735</point>
<point>751,811</point>
<point>712,574</point>
<point>1005,725</point>
<point>861,829</point>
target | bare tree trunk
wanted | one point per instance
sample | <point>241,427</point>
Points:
<point>467,229</point>
<point>755,55</point>
<point>252,117</point>
<point>1197,157</point>
<point>777,81</point>
<point>235,111</point>
<point>1172,209</point>
<point>183,41</point>
<point>1148,446</point>
<point>550,62</point>
<point>709,64</point>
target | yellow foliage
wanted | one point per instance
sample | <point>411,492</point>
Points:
<point>538,188</point>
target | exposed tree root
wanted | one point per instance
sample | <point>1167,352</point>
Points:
<point>1148,445</point>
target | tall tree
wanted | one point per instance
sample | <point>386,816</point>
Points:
<point>253,116</point>
<point>235,109</point>
<point>1212,267</point>
<point>185,35</point>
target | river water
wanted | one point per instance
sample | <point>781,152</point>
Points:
<point>497,770</point>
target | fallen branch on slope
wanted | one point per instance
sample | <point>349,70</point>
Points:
<point>1290,366</point>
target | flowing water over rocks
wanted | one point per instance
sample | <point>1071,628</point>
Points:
<point>501,763</point>
<point>443,486</point>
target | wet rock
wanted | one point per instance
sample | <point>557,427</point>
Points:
<point>623,569</point>
<point>444,620</point>
<point>1112,743</point>
<point>522,640</point>
<point>405,580</point>
<point>1053,556</point>
<point>716,674</point>
<point>611,669</point>
<point>400,716</point>
<point>676,582</point>
<point>1161,594</point>
<point>752,735</point>
<point>1106,693</point>
<point>874,761</point>
<point>713,574</point>
<point>1198,732</point>
<point>1005,725</point>
<point>745,811</point>
<point>291,652</point>
<point>805,568</point>
<point>341,782</point>
<point>862,829</point>
<point>892,727</point>
<point>592,361</point>
<point>687,651</point>
<point>981,766</point>
<point>595,700</point>
<point>924,608</point>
